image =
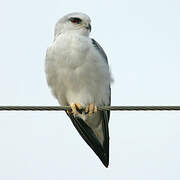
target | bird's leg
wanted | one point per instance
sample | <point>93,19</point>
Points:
<point>90,109</point>
<point>75,107</point>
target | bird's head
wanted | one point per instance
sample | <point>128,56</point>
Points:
<point>74,23</point>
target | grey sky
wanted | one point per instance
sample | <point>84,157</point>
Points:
<point>142,41</point>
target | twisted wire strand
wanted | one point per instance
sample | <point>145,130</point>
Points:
<point>102,108</point>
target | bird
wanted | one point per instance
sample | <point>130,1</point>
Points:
<point>79,76</point>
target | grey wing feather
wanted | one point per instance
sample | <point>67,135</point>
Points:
<point>103,54</point>
<point>100,50</point>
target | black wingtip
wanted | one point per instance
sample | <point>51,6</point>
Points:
<point>104,158</point>
<point>102,151</point>
<point>106,164</point>
<point>105,161</point>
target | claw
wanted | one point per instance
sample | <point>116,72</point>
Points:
<point>79,106</point>
<point>74,107</point>
<point>90,109</point>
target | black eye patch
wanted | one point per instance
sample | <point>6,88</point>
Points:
<point>75,20</point>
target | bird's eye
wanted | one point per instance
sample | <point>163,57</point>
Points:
<point>75,20</point>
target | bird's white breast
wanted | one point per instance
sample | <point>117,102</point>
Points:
<point>76,72</point>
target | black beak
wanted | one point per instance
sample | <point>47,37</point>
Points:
<point>88,27</point>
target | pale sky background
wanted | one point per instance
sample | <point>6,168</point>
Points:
<point>142,41</point>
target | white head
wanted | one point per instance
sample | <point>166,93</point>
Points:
<point>74,23</point>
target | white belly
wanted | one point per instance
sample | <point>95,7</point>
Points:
<point>76,72</point>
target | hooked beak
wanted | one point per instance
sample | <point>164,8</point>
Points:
<point>88,27</point>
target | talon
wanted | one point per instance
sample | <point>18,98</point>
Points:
<point>79,106</point>
<point>90,109</point>
<point>74,107</point>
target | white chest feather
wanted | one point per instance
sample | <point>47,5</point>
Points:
<point>76,72</point>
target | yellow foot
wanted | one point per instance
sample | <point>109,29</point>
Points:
<point>74,107</point>
<point>90,109</point>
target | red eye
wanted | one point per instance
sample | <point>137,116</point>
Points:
<point>75,20</point>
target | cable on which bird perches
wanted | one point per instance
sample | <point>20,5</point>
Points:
<point>101,108</point>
